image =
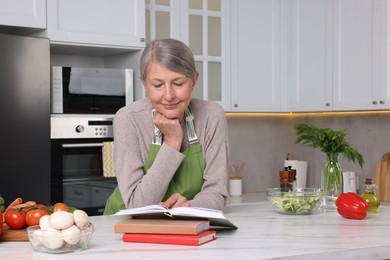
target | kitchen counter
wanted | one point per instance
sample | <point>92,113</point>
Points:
<point>262,234</point>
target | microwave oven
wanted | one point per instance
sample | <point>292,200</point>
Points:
<point>90,90</point>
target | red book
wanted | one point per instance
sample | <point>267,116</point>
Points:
<point>194,240</point>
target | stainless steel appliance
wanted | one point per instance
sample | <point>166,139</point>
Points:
<point>25,115</point>
<point>90,90</point>
<point>77,168</point>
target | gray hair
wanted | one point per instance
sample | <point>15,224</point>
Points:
<point>171,54</point>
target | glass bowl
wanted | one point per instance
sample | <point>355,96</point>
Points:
<point>298,201</point>
<point>56,242</point>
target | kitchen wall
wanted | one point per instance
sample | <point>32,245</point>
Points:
<point>264,141</point>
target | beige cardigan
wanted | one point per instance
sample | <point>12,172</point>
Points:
<point>133,133</point>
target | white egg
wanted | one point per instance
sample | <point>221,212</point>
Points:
<point>81,218</point>
<point>61,220</point>
<point>44,222</point>
<point>52,238</point>
<point>71,235</point>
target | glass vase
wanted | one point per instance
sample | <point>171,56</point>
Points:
<point>331,181</point>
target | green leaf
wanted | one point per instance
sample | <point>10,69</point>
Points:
<point>328,141</point>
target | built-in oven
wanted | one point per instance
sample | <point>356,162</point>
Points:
<point>77,175</point>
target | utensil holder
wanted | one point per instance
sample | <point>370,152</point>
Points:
<point>235,186</point>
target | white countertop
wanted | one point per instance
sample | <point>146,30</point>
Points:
<point>262,234</point>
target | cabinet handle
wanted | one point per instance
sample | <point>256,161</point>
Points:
<point>374,102</point>
<point>142,39</point>
<point>327,104</point>
<point>382,102</point>
<point>235,105</point>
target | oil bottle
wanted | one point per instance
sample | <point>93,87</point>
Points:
<point>370,194</point>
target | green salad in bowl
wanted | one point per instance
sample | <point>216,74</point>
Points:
<point>299,201</point>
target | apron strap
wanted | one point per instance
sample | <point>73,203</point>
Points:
<point>190,127</point>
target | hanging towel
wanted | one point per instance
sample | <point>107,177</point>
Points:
<point>108,162</point>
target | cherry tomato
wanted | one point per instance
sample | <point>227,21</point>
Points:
<point>33,216</point>
<point>60,207</point>
<point>15,219</point>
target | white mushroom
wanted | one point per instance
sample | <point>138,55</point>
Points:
<point>52,238</point>
<point>71,235</point>
<point>44,222</point>
<point>85,237</point>
<point>38,237</point>
<point>81,218</point>
<point>61,220</point>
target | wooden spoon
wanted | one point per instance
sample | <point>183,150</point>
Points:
<point>241,169</point>
<point>233,166</point>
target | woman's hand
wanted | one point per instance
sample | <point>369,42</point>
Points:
<point>176,200</point>
<point>171,129</point>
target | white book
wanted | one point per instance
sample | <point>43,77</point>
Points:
<point>216,217</point>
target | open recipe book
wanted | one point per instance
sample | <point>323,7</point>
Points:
<point>216,217</point>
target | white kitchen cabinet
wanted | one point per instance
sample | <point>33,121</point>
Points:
<point>309,55</point>
<point>358,55</point>
<point>337,55</point>
<point>256,56</point>
<point>205,27</point>
<point>101,23</point>
<point>24,14</point>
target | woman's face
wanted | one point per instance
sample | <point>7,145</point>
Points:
<point>169,91</point>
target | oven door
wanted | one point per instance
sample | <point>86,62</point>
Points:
<point>77,174</point>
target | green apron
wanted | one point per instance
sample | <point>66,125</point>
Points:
<point>188,179</point>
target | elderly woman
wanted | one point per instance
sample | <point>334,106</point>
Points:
<point>170,149</point>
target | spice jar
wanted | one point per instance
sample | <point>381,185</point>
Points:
<point>286,179</point>
<point>294,176</point>
<point>370,194</point>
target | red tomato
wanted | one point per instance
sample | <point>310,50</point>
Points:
<point>33,216</point>
<point>60,207</point>
<point>15,219</point>
<point>41,206</point>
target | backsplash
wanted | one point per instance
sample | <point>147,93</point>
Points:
<point>264,141</point>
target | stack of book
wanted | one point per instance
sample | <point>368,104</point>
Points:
<point>165,231</point>
<point>180,225</point>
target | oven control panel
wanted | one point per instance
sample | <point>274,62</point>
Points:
<point>70,127</point>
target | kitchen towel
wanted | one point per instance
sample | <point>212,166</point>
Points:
<point>108,162</point>
<point>301,168</point>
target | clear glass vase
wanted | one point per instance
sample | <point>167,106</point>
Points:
<point>332,183</point>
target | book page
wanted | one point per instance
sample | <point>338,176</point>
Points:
<point>142,210</point>
<point>196,212</point>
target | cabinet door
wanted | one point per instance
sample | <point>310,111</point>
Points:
<point>28,13</point>
<point>309,55</point>
<point>256,50</point>
<point>97,22</point>
<point>356,59</point>
<point>205,27</point>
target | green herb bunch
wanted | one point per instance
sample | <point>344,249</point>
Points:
<point>328,140</point>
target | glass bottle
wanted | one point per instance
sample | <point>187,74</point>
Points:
<point>286,180</point>
<point>370,194</point>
